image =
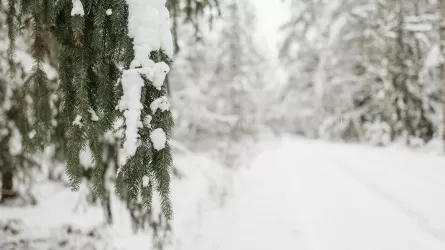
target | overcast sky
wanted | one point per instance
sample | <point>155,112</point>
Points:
<point>271,14</point>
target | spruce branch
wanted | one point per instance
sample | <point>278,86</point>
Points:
<point>10,19</point>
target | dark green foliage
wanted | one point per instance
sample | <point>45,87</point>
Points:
<point>191,11</point>
<point>98,44</point>
<point>14,121</point>
<point>93,49</point>
<point>11,32</point>
<point>158,162</point>
<point>33,17</point>
<point>80,112</point>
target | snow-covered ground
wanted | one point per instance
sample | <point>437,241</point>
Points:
<point>291,194</point>
<point>300,194</point>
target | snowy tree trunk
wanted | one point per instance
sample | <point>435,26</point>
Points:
<point>388,80</point>
<point>7,190</point>
<point>388,113</point>
<point>442,65</point>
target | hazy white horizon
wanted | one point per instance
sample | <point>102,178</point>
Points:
<point>271,15</point>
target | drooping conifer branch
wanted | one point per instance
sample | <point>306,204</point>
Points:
<point>95,48</point>
<point>11,21</point>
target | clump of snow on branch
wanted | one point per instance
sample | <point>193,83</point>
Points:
<point>32,134</point>
<point>109,12</point>
<point>149,27</point>
<point>78,121</point>
<point>160,103</point>
<point>15,142</point>
<point>131,105</point>
<point>77,8</point>
<point>145,181</point>
<point>94,116</point>
<point>154,72</point>
<point>158,138</point>
<point>86,157</point>
<point>147,121</point>
<point>160,72</point>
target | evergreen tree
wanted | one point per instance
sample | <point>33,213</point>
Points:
<point>88,43</point>
<point>97,52</point>
<point>15,120</point>
<point>442,65</point>
<point>221,77</point>
<point>238,66</point>
<point>362,70</point>
<point>314,35</point>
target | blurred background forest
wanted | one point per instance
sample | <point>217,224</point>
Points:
<point>352,71</point>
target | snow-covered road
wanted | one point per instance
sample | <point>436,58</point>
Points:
<point>292,194</point>
<point>300,194</point>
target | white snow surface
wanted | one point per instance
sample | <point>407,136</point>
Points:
<point>149,26</point>
<point>290,194</point>
<point>45,226</point>
<point>158,138</point>
<point>309,195</point>
<point>77,8</point>
<point>300,194</point>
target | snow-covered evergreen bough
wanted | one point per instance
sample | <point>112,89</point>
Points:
<point>114,56</point>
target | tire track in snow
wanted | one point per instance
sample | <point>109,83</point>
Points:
<point>341,212</point>
<point>293,198</point>
<point>397,159</point>
<point>262,213</point>
<point>419,219</point>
